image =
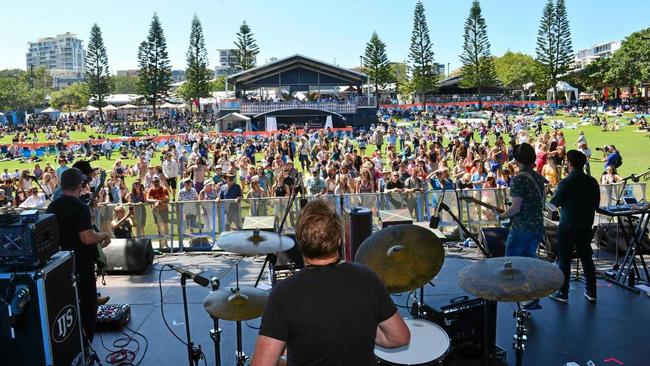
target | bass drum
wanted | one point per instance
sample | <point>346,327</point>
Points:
<point>429,346</point>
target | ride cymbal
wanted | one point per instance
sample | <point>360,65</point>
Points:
<point>230,304</point>
<point>254,242</point>
<point>405,257</point>
<point>510,279</point>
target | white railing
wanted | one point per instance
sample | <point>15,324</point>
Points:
<point>257,108</point>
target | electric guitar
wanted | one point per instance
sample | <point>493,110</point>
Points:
<point>484,204</point>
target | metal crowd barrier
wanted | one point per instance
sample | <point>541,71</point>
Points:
<point>202,221</point>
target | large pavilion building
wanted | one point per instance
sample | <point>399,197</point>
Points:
<point>299,90</point>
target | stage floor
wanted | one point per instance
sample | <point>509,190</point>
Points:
<point>612,332</point>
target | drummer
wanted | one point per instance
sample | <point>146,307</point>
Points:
<point>332,312</point>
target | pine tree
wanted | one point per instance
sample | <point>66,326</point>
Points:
<point>376,64</point>
<point>423,73</point>
<point>97,76</point>
<point>247,49</point>
<point>197,73</point>
<point>478,69</point>
<point>554,50</point>
<point>155,76</point>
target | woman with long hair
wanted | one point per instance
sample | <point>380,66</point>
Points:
<point>137,199</point>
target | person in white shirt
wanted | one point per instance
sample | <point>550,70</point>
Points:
<point>35,200</point>
<point>170,170</point>
<point>107,148</point>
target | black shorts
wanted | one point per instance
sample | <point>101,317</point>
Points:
<point>172,182</point>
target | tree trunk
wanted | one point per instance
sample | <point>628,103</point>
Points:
<point>376,94</point>
<point>480,102</point>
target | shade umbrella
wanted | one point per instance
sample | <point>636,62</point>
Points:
<point>110,107</point>
<point>91,108</point>
<point>129,106</point>
<point>49,110</point>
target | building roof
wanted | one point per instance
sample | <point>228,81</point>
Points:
<point>296,70</point>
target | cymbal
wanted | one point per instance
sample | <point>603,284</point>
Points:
<point>405,257</point>
<point>252,242</point>
<point>510,279</point>
<point>230,304</point>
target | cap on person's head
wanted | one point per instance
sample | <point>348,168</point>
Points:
<point>218,167</point>
<point>155,178</point>
<point>229,175</point>
<point>187,180</point>
<point>71,179</point>
<point>524,154</point>
<point>84,166</point>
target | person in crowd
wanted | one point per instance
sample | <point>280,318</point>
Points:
<point>328,285</point>
<point>209,195</point>
<point>34,200</point>
<point>190,209</point>
<point>280,191</point>
<point>258,206</point>
<point>158,196</point>
<point>578,197</point>
<point>107,148</point>
<point>137,198</point>
<point>232,192</point>
<point>315,185</point>
<point>610,176</point>
<point>550,172</point>
<point>171,170</point>
<point>613,157</point>
<point>122,225</point>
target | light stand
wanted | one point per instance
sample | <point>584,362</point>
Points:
<point>519,342</point>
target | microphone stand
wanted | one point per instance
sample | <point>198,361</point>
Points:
<point>47,196</point>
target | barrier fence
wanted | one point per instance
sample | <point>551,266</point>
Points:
<point>185,225</point>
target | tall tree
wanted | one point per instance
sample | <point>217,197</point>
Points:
<point>478,68</point>
<point>424,74</point>
<point>198,74</point>
<point>554,49</point>
<point>155,75</point>
<point>376,65</point>
<point>247,49</point>
<point>97,76</point>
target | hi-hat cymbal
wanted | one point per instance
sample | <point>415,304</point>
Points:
<point>511,279</point>
<point>253,242</point>
<point>405,257</point>
<point>229,304</point>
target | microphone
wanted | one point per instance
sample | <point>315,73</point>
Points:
<point>197,278</point>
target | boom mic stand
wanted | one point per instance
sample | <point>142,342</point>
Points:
<point>298,184</point>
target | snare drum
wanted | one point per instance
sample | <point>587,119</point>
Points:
<point>429,345</point>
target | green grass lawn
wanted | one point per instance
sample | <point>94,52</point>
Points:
<point>74,136</point>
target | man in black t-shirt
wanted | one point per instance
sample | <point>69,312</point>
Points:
<point>76,233</point>
<point>331,312</point>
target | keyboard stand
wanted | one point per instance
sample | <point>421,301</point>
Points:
<point>629,266</point>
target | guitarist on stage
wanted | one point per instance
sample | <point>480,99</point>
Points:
<point>76,233</point>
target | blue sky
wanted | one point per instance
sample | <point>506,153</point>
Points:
<point>330,30</point>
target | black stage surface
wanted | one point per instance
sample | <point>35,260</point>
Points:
<point>612,332</point>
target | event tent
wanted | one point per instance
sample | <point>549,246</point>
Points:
<point>129,106</point>
<point>91,108</point>
<point>232,121</point>
<point>563,87</point>
<point>109,107</point>
<point>170,106</point>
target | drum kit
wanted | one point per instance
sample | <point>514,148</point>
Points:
<point>407,257</point>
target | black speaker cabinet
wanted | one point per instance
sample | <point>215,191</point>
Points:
<point>42,326</point>
<point>129,256</point>
<point>360,228</point>
<point>494,240</point>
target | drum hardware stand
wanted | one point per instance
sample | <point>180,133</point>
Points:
<point>240,356</point>
<point>292,199</point>
<point>519,342</point>
<point>194,354</point>
<point>215,332</point>
<point>629,270</point>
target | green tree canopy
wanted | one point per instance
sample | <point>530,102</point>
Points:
<point>424,74</point>
<point>97,77</point>
<point>155,75</point>
<point>198,74</point>
<point>515,69</point>
<point>246,48</point>
<point>74,96</point>
<point>124,84</point>
<point>554,49</point>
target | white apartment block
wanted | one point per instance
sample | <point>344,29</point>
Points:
<point>63,55</point>
<point>586,56</point>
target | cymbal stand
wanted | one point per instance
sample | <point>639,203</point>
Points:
<point>292,198</point>
<point>240,356</point>
<point>215,332</point>
<point>519,342</point>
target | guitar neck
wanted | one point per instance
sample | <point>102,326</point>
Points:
<point>484,204</point>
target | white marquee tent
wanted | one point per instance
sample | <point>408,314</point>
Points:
<point>563,87</point>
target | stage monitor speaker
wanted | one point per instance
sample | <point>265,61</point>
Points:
<point>129,256</point>
<point>494,240</point>
<point>360,226</point>
<point>40,322</point>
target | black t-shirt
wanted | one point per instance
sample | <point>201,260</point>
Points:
<point>392,185</point>
<point>73,217</point>
<point>328,315</point>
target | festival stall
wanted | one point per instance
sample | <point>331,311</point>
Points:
<point>232,121</point>
<point>569,91</point>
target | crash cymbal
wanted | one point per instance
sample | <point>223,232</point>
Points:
<point>510,279</point>
<point>405,257</point>
<point>229,304</point>
<point>252,242</point>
